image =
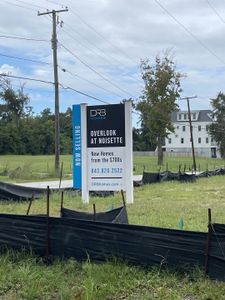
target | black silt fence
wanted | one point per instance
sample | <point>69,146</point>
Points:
<point>99,241</point>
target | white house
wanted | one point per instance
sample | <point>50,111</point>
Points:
<point>180,142</point>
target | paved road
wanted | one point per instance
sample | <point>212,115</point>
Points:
<point>55,184</point>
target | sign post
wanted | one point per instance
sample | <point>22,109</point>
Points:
<point>106,149</point>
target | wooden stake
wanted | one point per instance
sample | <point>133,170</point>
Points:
<point>30,203</point>
<point>209,236</point>
<point>62,200</point>
<point>47,224</point>
<point>61,173</point>
<point>94,210</point>
<point>123,198</point>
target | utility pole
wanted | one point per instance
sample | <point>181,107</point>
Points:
<point>191,129</point>
<point>56,83</point>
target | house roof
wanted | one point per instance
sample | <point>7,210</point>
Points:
<point>202,116</point>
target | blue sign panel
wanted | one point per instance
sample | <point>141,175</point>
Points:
<point>77,163</point>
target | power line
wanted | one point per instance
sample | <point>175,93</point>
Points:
<point>78,76</point>
<point>13,4</point>
<point>30,89</point>
<point>30,4</point>
<point>52,83</point>
<point>190,33</point>
<point>99,34</point>
<point>82,93</point>
<point>92,50</point>
<point>26,78</point>
<point>96,72</point>
<point>21,38</point>
<point>25,59</point>
<point>102,54</point>
<point>215,11</point>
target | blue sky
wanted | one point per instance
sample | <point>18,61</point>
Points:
<point>101,43</point>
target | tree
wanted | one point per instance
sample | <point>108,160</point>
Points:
<point>15,104</point>
<point>217,128</point>
<point>158,101</point>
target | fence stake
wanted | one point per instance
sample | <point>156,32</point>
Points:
<point>61,173</point>
<point>47,224</point>
<point>123,198</point>
<point>30,203</point>
<point>209,236</point>
<point>94,210</point>
<point>62,200</point>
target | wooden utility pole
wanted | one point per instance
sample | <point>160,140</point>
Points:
<point>191,129</point>
<point>56,83</point>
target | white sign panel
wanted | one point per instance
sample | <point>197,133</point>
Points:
<point>106,169</point>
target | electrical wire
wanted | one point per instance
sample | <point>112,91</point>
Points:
<point>25,59</point>
<point>78,76</point>
<point>92,50</point>
<point>21,38</point>
<point>83,94</point>
<point>99,34</point>
<point>77,91</point>
<point>27,78</point>
<point>52,83</point>
<point>96,72</point>
<point>29,4</point>
<point>189,32</point>
<point>20,6</point>
<point>102,54</point>
<point>215,11</point>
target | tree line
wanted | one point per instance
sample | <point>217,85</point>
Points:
<point>23,132</point>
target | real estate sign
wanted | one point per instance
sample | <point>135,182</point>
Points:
<point>102,148</point>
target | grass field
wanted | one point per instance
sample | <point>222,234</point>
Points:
<point>41,167</point>
<point>22,276</point>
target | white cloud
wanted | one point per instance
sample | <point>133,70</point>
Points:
<point>131,29</point>
<point>8,69</point>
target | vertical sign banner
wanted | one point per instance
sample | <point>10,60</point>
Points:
<point>77,161</point>
<point>106,143</point>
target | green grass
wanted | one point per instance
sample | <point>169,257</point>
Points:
<point>41,167</point>
<point>160,204</point>
<point>22,276</point>
<point>32,168</point>
<point>172,163</point>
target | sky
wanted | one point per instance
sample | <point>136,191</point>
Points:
<point>101,44</point>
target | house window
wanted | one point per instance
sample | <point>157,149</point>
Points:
<point>207,140</point>
<point>199,140</point>
<point>182,140</point>
<point>199,128</point>
<point>185,116</point>
<point>179,116</point>
<point>194,116</point>
<point>212,140</point>
<point>183,128</point>
<point>169,140</point>
<point>207,127</point>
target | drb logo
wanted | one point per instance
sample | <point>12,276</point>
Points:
<point>97,112</point>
